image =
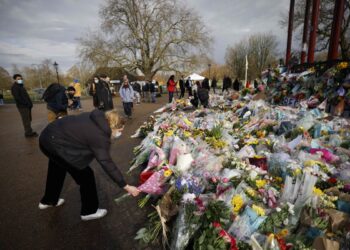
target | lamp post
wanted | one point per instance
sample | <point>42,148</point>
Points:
<point>209,65</point>
<point>38,68</point>
<point>56,67</point>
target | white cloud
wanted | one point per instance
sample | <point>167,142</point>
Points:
<point>37,29</point>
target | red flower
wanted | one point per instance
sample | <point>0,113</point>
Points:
<point>216,224</point>
<point>332,180</point>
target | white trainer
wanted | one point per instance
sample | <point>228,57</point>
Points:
<point>44,206</point>
<point>99,214</point>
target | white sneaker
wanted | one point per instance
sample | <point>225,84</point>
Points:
<point>44,206</point>
<point>99,214</point>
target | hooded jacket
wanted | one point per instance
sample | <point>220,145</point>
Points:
<point>55,97</point>
<point>80,139</point>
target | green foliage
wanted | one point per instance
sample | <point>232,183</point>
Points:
<point>210,240</point>
<point>150,233</point>
<point>216,132</point>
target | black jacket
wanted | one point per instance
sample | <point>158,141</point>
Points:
<point>214,83</point>
<point>182,84</point>
<point>104,99</point>
<point>78,139</point>
<point>205,84</point>
<point>136,87</point>
<point>55,97</point>
<point>21,96</point>
<point>152,87</point>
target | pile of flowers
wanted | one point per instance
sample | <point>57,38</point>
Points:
<point>245,175</point>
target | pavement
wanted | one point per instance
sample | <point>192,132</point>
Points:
<point>23,170</point>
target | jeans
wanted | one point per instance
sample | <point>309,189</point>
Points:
<point>26,115</point>
<point>127,108</point>
<point>153,96</point>
<point>78,102</point>
<point>56,174</point>
<point>171,96</point>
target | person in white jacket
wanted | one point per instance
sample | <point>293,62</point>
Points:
<point>127,94</point>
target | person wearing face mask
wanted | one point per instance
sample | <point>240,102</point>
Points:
<point>104,98</point>
<point>127,94</point>
<point>71,143</point>
<point>24,105</point>
<point>92,91</point>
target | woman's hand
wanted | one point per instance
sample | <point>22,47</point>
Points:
<point>132,190</point>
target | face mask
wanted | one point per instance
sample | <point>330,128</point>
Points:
<point>96,81</point>
<point>20,81</point>
<point>116,135</point>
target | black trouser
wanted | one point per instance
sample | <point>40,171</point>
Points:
<point>171,96</point>
<point>190,91</point>
<point>56,174</point>
<point>26,115</point>
<point>127,108</point>
<point>182,94</point>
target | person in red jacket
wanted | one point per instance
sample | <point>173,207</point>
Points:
<point>171,84</point>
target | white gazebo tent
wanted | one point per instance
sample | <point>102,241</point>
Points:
<point>196,77</point>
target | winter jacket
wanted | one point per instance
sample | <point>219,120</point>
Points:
<point>171,85</point>
<point>136,87</point>
<point>152,87</point>
<point>55,97</point>
<point>182,84</point>
<point>21,96</point>
<point>126,93</point>
<point>78,139</point>
<point>77,89</point>
<point>104,99</point>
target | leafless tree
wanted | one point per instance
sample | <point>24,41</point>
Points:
<point>152,35</point>
<point>260,50</point>
<point>324,25</point>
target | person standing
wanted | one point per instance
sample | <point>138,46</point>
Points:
<point>57,101</point>
<point>77,94</point>
<point>236,84</point>
<point>189,86</point>
<point>203,96</point>
<point>182,87</point>
<point>92,91</point>
<point>205,84</point>
<point>1,97</point>
<point>137,90</point>
<point>152,90</point>
<point>127,94</point>
<point>171,84</point>
<point>104,99</point>
<point>24,105</point>
<point>214,83</point>
<point>71,143</point>
<point>145,89</point>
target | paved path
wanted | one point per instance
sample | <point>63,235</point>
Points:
<point>23,171</point>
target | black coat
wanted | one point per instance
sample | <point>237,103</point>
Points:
<point>152,87</point>
<point>55,97</point>
<point>78,139</point>
<point>214,83</point>
<point>182,84</point>
<point>104,99</point>
<point>136,87</point>
<point>21,96</point>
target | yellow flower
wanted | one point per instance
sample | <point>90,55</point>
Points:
<point>168,172</point>
<point>250,192</point>
<point>187,133</point>
<point>188,123</point>
<point>279,179</point>
<point>283,233</point>
<point>169,133</point>
<point>258,210</point>
<point>318,191</point>
<point>253,142</point>
<point>260,183</point>
<point>237,203</point>
<point>297,172</point>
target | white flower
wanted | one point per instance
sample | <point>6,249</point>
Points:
<point>278,209</point>
<point>253,174</point>
<point>285,222</point>
<point>188,197</point>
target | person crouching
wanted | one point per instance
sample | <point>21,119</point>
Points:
<point>71,143</point>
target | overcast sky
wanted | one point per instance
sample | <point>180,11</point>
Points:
<point>32,30</point>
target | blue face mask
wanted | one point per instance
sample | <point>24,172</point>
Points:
<point>20,81</point>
